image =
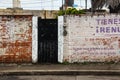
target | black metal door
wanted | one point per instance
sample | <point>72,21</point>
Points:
<point>47,41</point>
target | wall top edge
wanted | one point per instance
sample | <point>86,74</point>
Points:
<point>92,15</point>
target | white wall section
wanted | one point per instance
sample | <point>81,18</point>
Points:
<point>60,39</point>
<point>92,38</point>
<point>35,40</point>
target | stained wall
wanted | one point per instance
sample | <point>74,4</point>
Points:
<point>92,38</point>
<point>15,38</point>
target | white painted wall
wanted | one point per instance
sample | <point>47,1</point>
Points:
<point>60,39</point>
<point>35,39</point>
<point>84,43</point>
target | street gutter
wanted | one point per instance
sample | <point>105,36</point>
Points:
<point>60,72</point>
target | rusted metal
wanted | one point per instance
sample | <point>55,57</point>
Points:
<point>15,38</point>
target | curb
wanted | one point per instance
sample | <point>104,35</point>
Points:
<point>61,72</point>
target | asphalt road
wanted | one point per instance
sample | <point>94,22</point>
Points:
<point>56,77</point>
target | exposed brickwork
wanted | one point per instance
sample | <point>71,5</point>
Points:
<point>15,38</point>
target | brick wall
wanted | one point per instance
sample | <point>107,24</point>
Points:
<point>15,38</point>
<point>92,39</point>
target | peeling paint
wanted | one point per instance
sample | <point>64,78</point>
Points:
<point>92,39</point>
<point>15,38</point>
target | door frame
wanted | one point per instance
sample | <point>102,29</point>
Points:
<point>35,39</point>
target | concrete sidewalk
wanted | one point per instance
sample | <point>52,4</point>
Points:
<point>60,69</point>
